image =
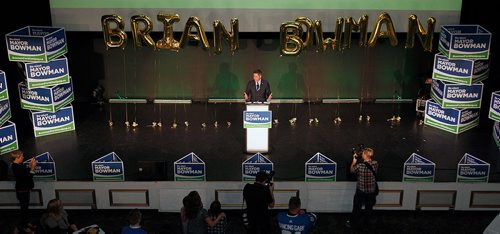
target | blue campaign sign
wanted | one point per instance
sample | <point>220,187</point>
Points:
<point>5,112</point>
<point>48,74</point>
<point>496,133</point>
<point>494,113</point>
<point>418,169</point>
<point>4,93</point>
<point>253,165</point>
<point>36,44</point>
<point>189,168</point>
<point>45,167</point>
<point>8,138</point>
<point>446,119</point>
<point>320,168</point>
<point>459,71</point>
<point>46,99</point>
<point>108,168</point>
<point>464,41</point>
<point>45,123</point>
<point>257,119</point>
<point>472,169</point>
<point>449,95</point>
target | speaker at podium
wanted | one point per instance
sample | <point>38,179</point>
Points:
<point>152,170</point>
<point>257,119</point>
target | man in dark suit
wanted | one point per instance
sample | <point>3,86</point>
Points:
<point>258,89</point>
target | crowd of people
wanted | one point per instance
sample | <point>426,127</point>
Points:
<point>195,219</point>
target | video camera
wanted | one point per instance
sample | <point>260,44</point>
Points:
<point>269,179</point>
<point>358,151</point>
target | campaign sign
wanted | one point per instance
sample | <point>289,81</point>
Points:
<point>496,133</point>
<point>449,95</point>
<point>46,123</point>
<point>46,99</point>
<point>254,164</point>
<point>495,106</point>
<point>472,169</point>
<point>36,44</point>
<point>189,168</point>
<point>4,111</point>
<point>464,41</point>
<point>8,138</point>
<point>460,71</point>
<point>418,169</point>
<point>108,168</point>
<point>48,74</point>
<point>257,119</point>
<point>4,93</point>
<point>45,169</point>
<point>451,120</point>
<point>320,168</point>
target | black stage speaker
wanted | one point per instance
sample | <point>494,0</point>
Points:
<point>152,170</point>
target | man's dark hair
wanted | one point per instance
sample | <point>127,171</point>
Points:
<point>258,71</point>
<point>261,176</point>
<point>294,203</point>
<point>134,217</point>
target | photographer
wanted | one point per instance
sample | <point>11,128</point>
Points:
<point>259,198</point>
<point>365,168</point>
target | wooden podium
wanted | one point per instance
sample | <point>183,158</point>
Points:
<point>257,119</point>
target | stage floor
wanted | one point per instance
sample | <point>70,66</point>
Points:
<point>223,148</point>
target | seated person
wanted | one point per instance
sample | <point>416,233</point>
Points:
<point>55,219</point>
<point>134,219</point>
<point>296,220</point>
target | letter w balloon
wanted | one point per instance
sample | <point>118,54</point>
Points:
<point>114,37</point>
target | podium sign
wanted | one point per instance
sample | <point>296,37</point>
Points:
<point>460,71</point>
<point>495,106</point>
<point>189,168</point>
<point>320,168</point>
<point>464,41</point>
<point>257,121</point>
<point>418,169</point>
<point>108,168</point>
<point>8,138</point>
<point>48,74</point>
<point>254,164</point>
<point>450,95</point>
<point>45,169</point>
<point>472,169</point>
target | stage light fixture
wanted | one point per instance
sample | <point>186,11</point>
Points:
<point>360,118</point>
<point>174,125</point>
<point>159,124</point>
<point>216,125</point>
<point>203,125</point>
<point>153,124</point>
<point>368,118</point>
<point>311,121</point>
<point>135,124</point>
<point>337,120</point>
<point>186,123</point>
<point>110,123</point>
<point>228,124</point>
<point>316,120</point>
<point>276,121</point>
<point>127,124</point>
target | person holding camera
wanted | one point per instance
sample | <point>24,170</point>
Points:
<point>365,169</point>
<point>259,198</point>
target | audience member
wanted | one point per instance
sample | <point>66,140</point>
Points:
<point>194,217</point>
<point>296,220</point>
<point>134,220</point>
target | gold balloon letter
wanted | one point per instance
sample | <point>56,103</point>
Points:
<point>383,18</point>
<point>199,35</point>
<point>114,37</point>
<point>426,36</point>
<point>290,41</point>
<point>334,43</point>
<point>141,35</point>
<point>168,42</point>
<point>231,37</point>
<point>352,26</point>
